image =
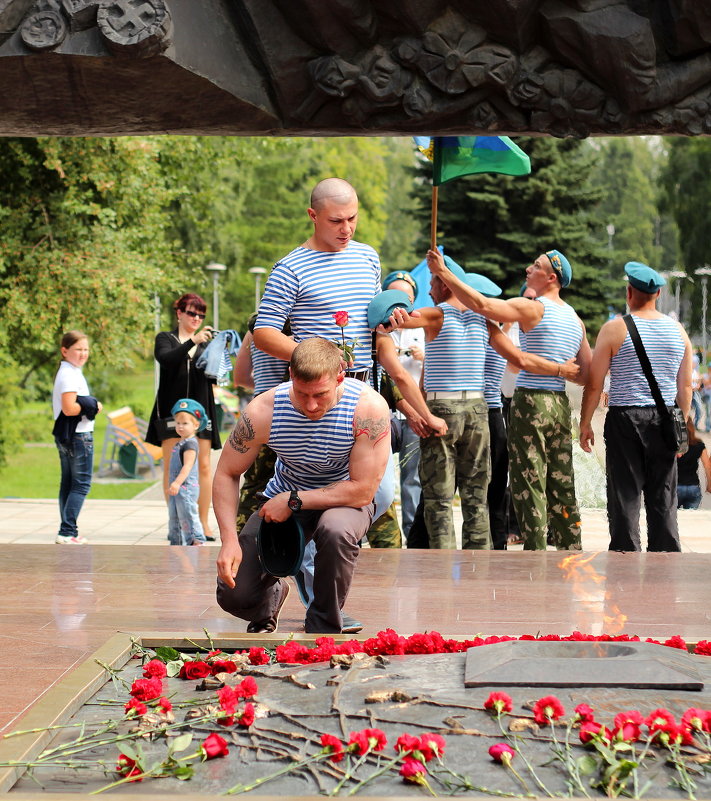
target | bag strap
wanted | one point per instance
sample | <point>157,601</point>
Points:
<point>374,369</point>
<point>646,366</point>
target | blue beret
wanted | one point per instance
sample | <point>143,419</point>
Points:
<point>400,275</point>
<point>383,305</point>
<point>482,284</point>
<point>561,266</point>
<point>644,278</point>
<point>454,267</point>
<point>197,410</point>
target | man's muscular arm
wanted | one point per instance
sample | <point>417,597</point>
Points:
<point>273,342</point>
<point>250,432</point>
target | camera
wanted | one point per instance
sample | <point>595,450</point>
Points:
<point>401,352</point>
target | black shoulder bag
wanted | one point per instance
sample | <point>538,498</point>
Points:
<point>674,428</point>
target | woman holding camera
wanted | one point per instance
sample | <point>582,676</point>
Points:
<point>176,352</point>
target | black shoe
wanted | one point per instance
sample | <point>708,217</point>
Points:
<point>270,624</point>
<point>350,624</point>
<point>208,538</point>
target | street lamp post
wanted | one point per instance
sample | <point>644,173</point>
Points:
<point>215,269</point>
<point>678,275</point>
<point>704,272</point>
<point>257,272</point>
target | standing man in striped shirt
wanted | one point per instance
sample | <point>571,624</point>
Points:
<point>638,460</point>
<point>331,435</point>
<point>456,339</point>
<point>540,436</point>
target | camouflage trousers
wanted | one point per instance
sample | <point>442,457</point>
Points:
<point>541,469</point>
<point>255,480</point>
<point>457,461</point>
<point>385,532</point>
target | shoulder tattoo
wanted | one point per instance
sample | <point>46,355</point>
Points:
<point>375,428</point>
<point>242,434</point>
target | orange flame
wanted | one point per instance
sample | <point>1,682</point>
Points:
<point>578,568</point>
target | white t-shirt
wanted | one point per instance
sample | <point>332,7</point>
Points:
<point>404,339</point>
<point>70,379</point>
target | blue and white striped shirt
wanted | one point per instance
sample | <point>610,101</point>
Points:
<point>311,453</point>
<point>310,286</point>
<point>454,359</point>
<point>665,348</point>
<point>267,371</point>
<point>557,337</point>
<point>494,367</point>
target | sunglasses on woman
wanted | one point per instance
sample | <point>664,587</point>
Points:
<point>198,315</point>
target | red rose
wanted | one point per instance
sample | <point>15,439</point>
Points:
<point>214,746</point>
<point>246,719</point>
<point>548,709</point>
<point>498,703</point>
<point>502,752</point>
<point>194,670</point>
<point>223,666</point>
<point>584,713</point>
<point>332,746</point>
<point>146,689</point>
<point>137,707</point>
<point>431,746</point>
<point>128,767</point>
<point>412,771</point>
<point>341,318</point>
<point>628,726</point>
<point>155,669</point>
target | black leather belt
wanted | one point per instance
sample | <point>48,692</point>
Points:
<point>359,375</point>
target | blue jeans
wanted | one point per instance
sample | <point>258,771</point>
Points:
<point>184,526</point>
<point>76,459</point>
<point>688,496</point>
<point>407,444</point>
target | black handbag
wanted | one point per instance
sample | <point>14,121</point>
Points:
<point>674,430</point>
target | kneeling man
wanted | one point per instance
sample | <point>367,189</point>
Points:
<point>331,435</point>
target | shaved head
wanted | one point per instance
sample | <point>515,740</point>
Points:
<point>335,190</point>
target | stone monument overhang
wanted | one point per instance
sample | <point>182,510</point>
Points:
<point>355,67</point>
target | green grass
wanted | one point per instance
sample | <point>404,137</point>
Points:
<point>33,472</point>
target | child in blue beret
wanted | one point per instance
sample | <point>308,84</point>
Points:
<point>184,526</point>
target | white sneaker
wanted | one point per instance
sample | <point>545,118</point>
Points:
<point>61,540</point>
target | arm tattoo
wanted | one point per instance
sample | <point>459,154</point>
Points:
<point>242,434</point>
<point>375,428</point>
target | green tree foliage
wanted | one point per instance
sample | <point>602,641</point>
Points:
<point>497,224</point>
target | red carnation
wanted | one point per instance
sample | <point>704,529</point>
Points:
<point>431,746</point>
<point>247,688</point>
<point>660,720</point>
<point>164,704</point>
<point>223,666</point>
<point>341,318</point>
<point>138,707</point>
<point>367,740</point>
<point>703,648</point>
<point>194,670</point>
<point>246,719</point>
<point>258,656</point>
<point>214,746</point>
<point>590,729</point>
<point>628,726</point>
<point>696,719</point>
<point>146,689</point>
<point>155,669</point>
<point>128,767</point>
<point>548,709</point>
<point>332,746</point>
<point>406,743</point>
<point>584,713</point>
<point>502,752</point>
<point>498,703</point>
<point>412,771</point>
<point>676,642</point>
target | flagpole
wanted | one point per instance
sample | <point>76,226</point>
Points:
<point>433,227</point>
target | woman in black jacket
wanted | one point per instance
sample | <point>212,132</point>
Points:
<point>176,352</point>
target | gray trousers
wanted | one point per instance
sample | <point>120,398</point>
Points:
<point>335,533</point>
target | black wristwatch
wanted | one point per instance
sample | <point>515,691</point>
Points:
<point>294,502</point>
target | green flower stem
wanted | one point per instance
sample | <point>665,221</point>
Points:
<point>113,673</point>
<point>526,762</point>
<point>245,788</point>
<point>507,763</point>
<point>464,783</point>
<point>685,781</point>
<point>349,772</point>
<point>379,772</point>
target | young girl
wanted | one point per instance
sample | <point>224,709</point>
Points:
<point>184,526</point>
<point>74,412</point>
<point>688,490</point>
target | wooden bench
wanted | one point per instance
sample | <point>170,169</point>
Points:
<point>124,430</point>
